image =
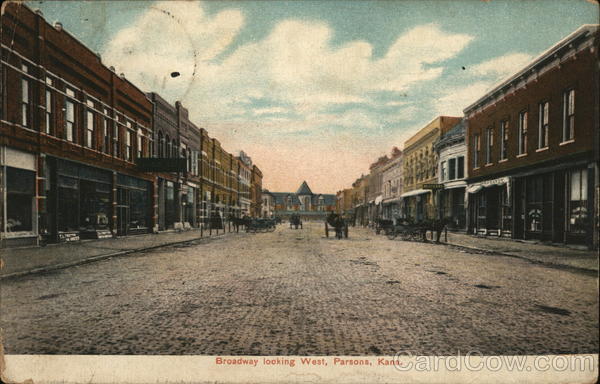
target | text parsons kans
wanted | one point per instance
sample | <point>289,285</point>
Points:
<point>291,362</point>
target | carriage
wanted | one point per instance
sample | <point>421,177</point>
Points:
<point>338,224</point>
<point>407,229</point>
<point>295,221</point>
<point>261,225</point>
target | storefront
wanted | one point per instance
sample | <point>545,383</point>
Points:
<point>490,207</point>
<point>18,218</point>
<point>452,205</point>
<point>188,202</point>
<point>133,205</point>
<point>79,201</point>
<point>392,208</point>
<point>554,206</point>
<point>418,205</point>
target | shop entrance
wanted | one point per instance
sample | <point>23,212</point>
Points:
<point>122,212</point>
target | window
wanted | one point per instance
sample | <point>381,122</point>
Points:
<point>69,120</point>
<point>569,115</point>
<point>460,167</point>
<point>504,140</point>
<point>543,125</point>
<point>116,146</point>
<point>90,129</point>
<point>160,145</point>
<point>452,169</point>
<point>20,198</point>
<point>489,143</point>
<point>168,147</point>
<point>128,147</point>
<point>49,129</point>
<point>577,210</point>
<point>522,133</point>
<point>106,133</point>
<point>476,151</point>
<point>443,175</point>
<point>140,148</point>
<point>25,104</point>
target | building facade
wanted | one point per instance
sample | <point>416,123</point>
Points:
<point>533,148</point>
<point>84,153</point>
<point>303,202</point>
<point>452,153</point>
<point>392,186</point>
<point>420,167</point>
<point>71,131</point>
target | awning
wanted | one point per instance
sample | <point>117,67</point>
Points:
<point>394,200</point>
<point>476,187</point>
<point>454,185</point>
<point>378,200</point>
<point>415,192</point>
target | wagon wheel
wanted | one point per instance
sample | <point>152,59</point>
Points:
<point>326,230</point>
<point>346,231</point>
<point>391,234</point>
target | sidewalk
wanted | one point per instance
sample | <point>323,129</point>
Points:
<point>556,255</point>
<point>23,261</point>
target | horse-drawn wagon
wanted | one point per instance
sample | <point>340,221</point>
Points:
<point>338,224</point>
<point>295,221</point>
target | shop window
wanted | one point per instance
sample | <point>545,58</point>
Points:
<point>577,209</point>
<point>95,205</point>
<point>20,194</point>
<point>68,204</point>
<point>569,115</point>
<point>544,111</point>
<point>522,133</point>
<point>460,168</point>
<point>504,140</point>
<point>534,204</point>
<point>138,216</point>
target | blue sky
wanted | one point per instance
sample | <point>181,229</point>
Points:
<point>316,90</point>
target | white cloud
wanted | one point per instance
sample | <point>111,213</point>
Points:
<point>295,65</point>
<point>502,66</point>
<point>456,99</point>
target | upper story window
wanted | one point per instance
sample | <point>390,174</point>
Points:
<point>70,129</point>
<point>544,110</point>
<point>128,145</point>
<point>25,103</point>
<point>476,149</point>
<point>140,147</point>
<point>444,171</point>
<point>504,140</point>
<point>90,129</point>
<point>116,138</point>
<point>489,144</point>
<point>522,133</point>
<point>452,169</point>
<point>460,167</point>
<point>49,113</point>
<point>168,147</point>
<point>105,132</point>
<point>568,115</point>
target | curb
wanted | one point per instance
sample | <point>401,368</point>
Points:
<point>567,267</point>
<point>92,259</point>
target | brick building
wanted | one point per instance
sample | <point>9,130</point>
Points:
<point>71,130</point>
<point>420,168</point>
<point>533,148</point>
<point>303,202</point>
<point>256,191</point>
<point>85,153</point>
<point>391,188</point>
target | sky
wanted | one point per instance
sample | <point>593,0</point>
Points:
<point>318,90</point>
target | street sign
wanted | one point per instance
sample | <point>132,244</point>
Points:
<point>433,186</point>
